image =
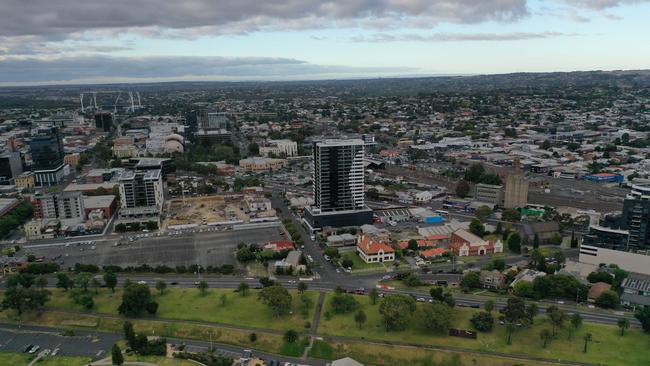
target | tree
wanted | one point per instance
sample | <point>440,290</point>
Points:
<point>536,241</point>
<point>623,324</point>
<point>489,306</point>
<point>482,321</point>
<point>342,303</point>
<point>546,145</point>
<point>643,315</point>
<point>523,289</point>
<point>462,189</point>
<point>24,299</point>
<point>302,287</point>
<point>135,298</point>
<point>576,322</point>
<point>531,312</point>
<point>510,328</point>
<point>252,337</point>
<point>360,318</point>
<point>83,280</point>
<point>129,333</point>
<point>374,295</point>
<point>111,280</point>
<point>483,213</point>
<point>474,173</point>
<point>413,245</point>
<point>436,293</point>
<point>347,263</point>
<point>253,149</point>
<point>244,254</point>
<point>437,317</point>
<point>546,336</point>
<point>476,227</point>
<point>511,214</point>
<point>116,355</point>
<point>514,243</point>
<point>41,282</point>
<point>224,299</point>
<point>588,338</point>
<point>396,311</point>
<point>95,284</point>
<point>499,228</point>
<point>86,301</point>
<point>470,280</point>
<point>332,252</point>
<point>243,288</point>
<point>63,281</point>
<point>203,287</point>
<point>607,300</point>
<point>161,286</point>
<point>290,336</point>
<point>556,316</point>
<point>277,298</point>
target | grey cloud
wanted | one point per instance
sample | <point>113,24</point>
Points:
<point>47,17</point>
<point>456,37</point>
<point>15,70</point>
<point>602,4</point>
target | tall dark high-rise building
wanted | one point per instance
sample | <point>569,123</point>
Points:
<point>11,166</point>
<point>47,153</point>
<point>104,121</point>
<point>338,182</point>
<point>47,148</point>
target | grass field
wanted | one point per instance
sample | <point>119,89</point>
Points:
<point>267,342</point>
<point>376,354</point>
<point>359,264</point>
<point>607,348</point>
<point>188,304</point>
<point>159,360</point>
<point>21,359</point>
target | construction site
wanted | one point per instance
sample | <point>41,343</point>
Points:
<point>217,210</point>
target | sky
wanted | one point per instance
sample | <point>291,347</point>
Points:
<point>90,41</point>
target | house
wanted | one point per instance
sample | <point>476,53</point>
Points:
<point>545,231</point>
<point>347,361</point>
<point>597,289</point>
<point>432,253</point>
<point>341,240</point>
<point>492,279</point>
<point>372,251</point>
<point>292,261</point>
<point>422,244</point>
<point>464,243</point>
<point>527,275</point>
<point>636,290</point>
<point>278,245</point>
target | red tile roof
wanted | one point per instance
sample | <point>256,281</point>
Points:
<point>432,252</point>
<point>369,247</point>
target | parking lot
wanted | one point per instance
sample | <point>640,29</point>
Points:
<point>185,248</point>
<point>15,338</point>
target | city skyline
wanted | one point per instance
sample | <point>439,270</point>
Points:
<point>143,41</point>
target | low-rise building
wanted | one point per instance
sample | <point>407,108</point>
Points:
<point>279,148</point>
<point>492,279</point>
<point>262,164</point>
<point>636,290</point>
<point>373,251</point>
<point>341,240</point>
<point>25,180</point>
<point>489,193</point>
<point>72,159</point>
<point>464,243</point>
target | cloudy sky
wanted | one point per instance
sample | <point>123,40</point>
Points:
<point>70,41</point>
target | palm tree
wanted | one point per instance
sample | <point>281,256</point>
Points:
<point>588,338</point>
<point>202,286</point>
<point>243,289</point>
<point>545,336</point>
<point>510,327</point>
<point>302,287</point>
<point>623,323</point>
<point>360,318</point>
<point>576,322</point>
<point>161,286</point>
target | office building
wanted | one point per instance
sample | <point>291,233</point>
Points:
<point>338,185</point>
<point>104,121</point>
<point>141,195</point>
<point>489,193</point>
<point>47,154</point>
<point>66,206</point>
<point>279,148</point>
<point>215,121</point>
<point>11,166</point>
<point>516,194</point>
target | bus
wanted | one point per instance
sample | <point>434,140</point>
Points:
<point>442,213</point>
